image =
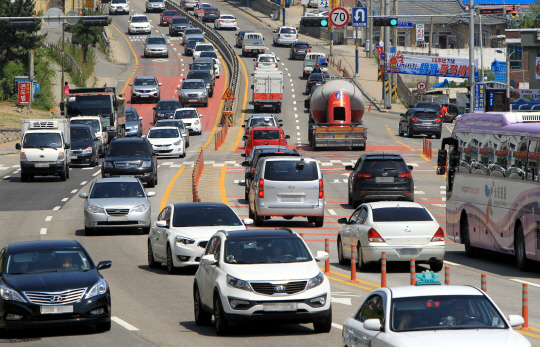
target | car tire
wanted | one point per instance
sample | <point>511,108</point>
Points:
<point>24,177</point>
<point>360,264</point>
<point>202,318</point>
<point>63,175</point>
<point>152,263</point>
<point>93,163</point>
<point>523,263</point>
<point>319,222</point>
<point>151,183</point>
<point>103,327</point>
<point>258,220</point>
<point>325,325</point>
<point>436,266</point>
<point>88,231</point>
<point>246,195</point>
<point>341,257</point>
<point>409,133</point>
<point>438,136</point>
<point>222,324</point>
<point>356,203</point>
<point>399,130</point>
<point>250,212</point>
<point>470,251</point>
<point>205,104</point>
<point>171,269</point>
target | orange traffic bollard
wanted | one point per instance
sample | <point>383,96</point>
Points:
<point>353,263</point>
<point>413,272</point>
<point>447,275</point>
<point>483,283</point>
<point>383,270</point>
<point>327,262</point>
<point>525,312</point>
<point>302,235</point>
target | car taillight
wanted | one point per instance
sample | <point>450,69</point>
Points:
<point>296,35</point>
<point>218,13</point>
<point>222,21</point>
<point>415,120</point>
<point>439,236</point>
<point>278,36</point>
<point>309,49</point>
<point>321,189</point>
<point>373,236</point>
<point>362,175</point>
<point>294,49</point>
<point>257,65</point>
<point>440,115</point>
<point>437,120</point>
<point>261,188</point>
<point>253,171</point>
<point>233,21</point>
<point>276,65</point>
<point>405,175</point>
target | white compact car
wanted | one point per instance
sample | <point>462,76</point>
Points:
<point>139,24</point>
<point>225,21</point>
<point>261,275</point>
<point>431,315</point>
<point>403,229</point>
<point>180,234</point>
<point>167,141</point>
<point>266,62</point>
<point>202,47</point>
<point>191,118</point>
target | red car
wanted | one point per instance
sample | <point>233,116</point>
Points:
<point>166,16</point>
<point>260,136</point>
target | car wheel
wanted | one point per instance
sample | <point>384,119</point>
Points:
<point>341,257</point>
<point>93,163</point>
<point>436,266</point>
<point>470,251</point>
<point>356,203</point>
<point>88,231</point>
<point>63,176</point>
<point>409,132</point>
<point>360,259</point>
<point>258,219</point>
<point>103,326</point>
<point>438,136</point>
<point>246,194</point>
<point>319,221</point>
<point>170,265</point>
<point>399,130</point>
<point>250,212</point>
<point>205,104</point>
<point>152,263</point>
<point>25,177</point>
<point>202,318</point>
<point>325,325</point>
<point>523,263</point>
<point>349,200</point>
<point>222,325</point>
<point>151,183</point>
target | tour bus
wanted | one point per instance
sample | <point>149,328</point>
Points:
<point>492,184</point>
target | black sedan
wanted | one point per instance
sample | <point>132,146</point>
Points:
<point>52,283</point>
<point>210,14</point>
<point>165,109</point>
<point>420,121</point>
<point>313,79</point>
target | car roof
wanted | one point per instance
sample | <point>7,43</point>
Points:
<point>193,80</point>
<point>203,60</point>
<point>264,128</point>
<point>383,204</point>
<point>383,156</point>
<point>167,101</point>
<point>80,126</point>
<point>186,109</point>
<point>246,31</point>
<point>206,72</point>
<point>300,43</point>
<point>129,139</point>
<point>199,205</point>
<point>43,245</point>
<point>262,115</point>
<point>154,36</point>
<point>290,158</point>
<point>117,179</point>
<point>170,11</point>
<point>162,128</point>
<point>259,233</point>
<point>145,77</point>
<point>429,290</point>
<point>286,151</point>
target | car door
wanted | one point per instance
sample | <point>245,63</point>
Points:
<point>356,335</point>
<point>207,285</point>
<point>359,227</point>
<point>346,234</point>
<point>352,175</point>
<point>162,234</point>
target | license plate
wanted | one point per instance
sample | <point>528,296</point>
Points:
<point>339,136</point>
<point>280,306</point>
<point>144,96</point>
<point>81,157</point>
<point>56,309</point>
<point>117,219</point>
<point>384,179</point>
<point>291,199</point>
<point>192,100</point>
<point>41,165</point>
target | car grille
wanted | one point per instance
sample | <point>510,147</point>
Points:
<point>270,288</point>
<point>202,244</point>
<point>55,298</point>
<point>163,145</point>
<point>193,95</point>
<point>76,151</point>
<point>144,90</point>
<point>187,124</point>
<point>117,211</point>
<point>127,164</point>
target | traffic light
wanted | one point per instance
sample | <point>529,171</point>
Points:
<point>96,22</point>
<point>385,22</point>
<point>315,22</point>
<point>22,23</point>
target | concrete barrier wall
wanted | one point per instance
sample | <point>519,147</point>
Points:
<point>266,7</point>
<point>10,134</point>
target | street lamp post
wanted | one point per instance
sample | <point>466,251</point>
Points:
<point>508,70</point>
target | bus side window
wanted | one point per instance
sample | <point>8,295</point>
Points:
<point>533,159</point>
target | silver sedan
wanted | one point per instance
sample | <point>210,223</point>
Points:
<point>116,203</point>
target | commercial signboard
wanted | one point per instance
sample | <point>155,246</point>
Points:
<point>420,32</point>
<point>429,66</point>
<point>479,97</point>
<point>23,93</point>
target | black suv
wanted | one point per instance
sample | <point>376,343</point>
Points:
<point>165,109</point>
<point>84,145</point>
<point>204,75</point>
<point>420,121</point>
<point>133,157</point>
<point>299,50</point>
<point>380,177</point>
<point>261,153</point>
<point>313,79</point>
<point>210,14</point>
<point>430,105</point>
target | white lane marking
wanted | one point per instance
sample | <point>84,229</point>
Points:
<point>450,263</point>
<point>287,69</point>
<point>174,49</point>
<point>43,231</point>
<point>333,213</point>
<point>419,192</point>
<point>57,208</point>
<point>295,107</point>
<point>298,134</point>
<point>343,301</point>
<point>335,325</point>
<point>292,90</point>
<point>442,192</point>
<point>298,139</point>
<point>83,183</point>
<point>65,199</point>
<point>124,324</point>
<point>292,85</point>
<point>297,121</point>
<point>294,103</point>
<point>6,176</point>
<point>48,219</point>
<point>520,281</point>
<point>297,127</point>
<point>87,168</point>
<point>345,180</point>
<point>96,173</point>
<point>443,187</point>
<point>19,165</point>
<point>294,96</point>
<point>283,64</point>
<point>74,191</point>
<point>289,74</point>
<point>289,79</point>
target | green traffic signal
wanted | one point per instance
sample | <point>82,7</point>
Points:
<point>324,23</point>
<point>393,22</point>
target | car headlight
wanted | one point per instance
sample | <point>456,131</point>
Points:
<point>87,150</point>
<point>135,127</point>
<point>154,89</point>
<point>238,283</point>
<point>184,240</point>
<point>183,95</point>
<point>315,281</point>
<point>107,165</point>
<point>61,156</point>
<point>196,122</point>
<point>178,143</point>
<point>23,157</point>
<point>8,293</point>
<point>95,209</point>
<point>146,164</point>
<point>99,288</point>
<point>140,208</point>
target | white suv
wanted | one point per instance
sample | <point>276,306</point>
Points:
<point>285,36</point>
<point>261,275</point>
<point>266,62</point>
<point>191,118</point>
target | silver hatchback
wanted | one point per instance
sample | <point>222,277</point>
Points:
<point>116,203</point>
<point>286,187</point>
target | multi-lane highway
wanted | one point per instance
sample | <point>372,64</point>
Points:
<point>151,307</point>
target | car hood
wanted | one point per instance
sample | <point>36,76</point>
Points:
<point>141,24</point>
<point>199,91</point>
<point>118,203</point>
<point>164,141</point>
<point>81,144</point>
<point>144,87</point>
<point>473,337</point>
<point>131,123</point>
<point>121,158</point>
<point>52,281</point>
<point>274,272</point>
<point>204,233</point>
<point>180,26</point>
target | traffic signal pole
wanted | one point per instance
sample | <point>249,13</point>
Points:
<point>386,96</point>
<point>331,29</point>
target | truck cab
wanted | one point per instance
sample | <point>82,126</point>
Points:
<point>311,61</point>
<point>260,136</point>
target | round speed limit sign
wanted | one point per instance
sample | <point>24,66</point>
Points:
<point>339,17</point>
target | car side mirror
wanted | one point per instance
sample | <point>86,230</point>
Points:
<point>248,221</point>
<point>243,155</point>
<point>287,137</point>
<point>243,125</point>
<point>349,168</point>
<point>402,114</point>
<point>245,163</point>
<point>248,175</point>
<point>96,138</point>
<point>140,118</point>
<point>131,84</point>
<point>67,146</point>
<point>150,194</point>
<point>105,264</point>
<point>17,146</point>
<point>322,256</point>
<point>280,125</point>
<point>252,87</point>
<point>208,259</point>
<point>160,84</point>
<point>274,31</point>
<point>410,167</point>
<point>162,224</point>
<point>278,59</point>
<point>154,108</point>
<point>83,195</point>
<point>373,324</point>
<point>515,320</point>
<point>342,221</point>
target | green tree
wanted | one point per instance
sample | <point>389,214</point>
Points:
<point>10,70</point>
<point>85,36</point>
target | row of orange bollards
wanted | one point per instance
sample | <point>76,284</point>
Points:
<point>427,149</point>
<point>219,137</point>
<point>196,175</point>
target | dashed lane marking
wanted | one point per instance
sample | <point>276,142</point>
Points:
<point>332,212</point>
<point>65,199</point>
<point>337,326</point>
<point>48,219</point>
<point>124,324</point>
<point>520,281</point>
<point>43,231</point>
<point>74,191</point>
<point>96,173</point>
<point>450,263</point>
<point>343,301</point>
<point>57,208</point>
<point>83,183</point>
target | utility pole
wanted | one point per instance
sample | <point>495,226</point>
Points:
<point>471,55</point>
<point>370,29</point>
<point>31,76</point>
<point>430,45</point>
<point>387,99</point>
<point>331,28</point>
<point>481,50</point>
<point>63,55</point>
<point>395,44</point>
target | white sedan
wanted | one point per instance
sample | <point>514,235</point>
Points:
<point>225,21</point>
<point>431,315</point>
<point>167,141</point>
<point>404,230</point>
<point>180,233</point>
<point>266,62</point>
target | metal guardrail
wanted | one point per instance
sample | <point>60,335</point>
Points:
<point>105,39</point>
<point>70,62</point>
<point>227,51</point>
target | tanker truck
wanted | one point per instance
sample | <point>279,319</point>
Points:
<point>335,116</point>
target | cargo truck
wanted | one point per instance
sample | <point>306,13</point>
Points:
<point>253,44</point>
<point>267,90</point>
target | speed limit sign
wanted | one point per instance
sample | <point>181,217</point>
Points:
<point>339,17</point>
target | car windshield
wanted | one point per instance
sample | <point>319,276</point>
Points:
<point>448,312</point>
<point>309,62</point>
<point>139,19</point>
<point>169,123</point>
<point>266,135</point>
<point>94,123</point>
<point>289,170</point>
<point>205,216</point>
<point>78,134</point>
<point>193,31</point>
<point>180,20</point>
<point>131,116</point>
<point>266,250</point>
<point>301,46</point>
<point>193,41</point>
<point>170,13</point>
<point>89,105</point>
<point>29,262</point>
<point>193,85</point>
<point>287,31</point>
<point>198,75</point>
<point>128,149</point>
<point>106,190</point>
<point>267,59</point>
<point>430,105</point>
<point>318,76</point>
<point>156,41</point>
<point>202,66</point>
<point>42,140</point>
<point>185,114</point>
<point>209,54</point>
<point>155,0</point>
<point>157,133</point>
<point>145,82</point>
<point>384,165</point>
<point>205,48</point>
<point>118,1</point>
<point>254,122</point>
<point>401,214</point>
<point>169,105</point>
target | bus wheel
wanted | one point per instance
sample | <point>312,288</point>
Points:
<point>471,251</point>
<point>523,263</point>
